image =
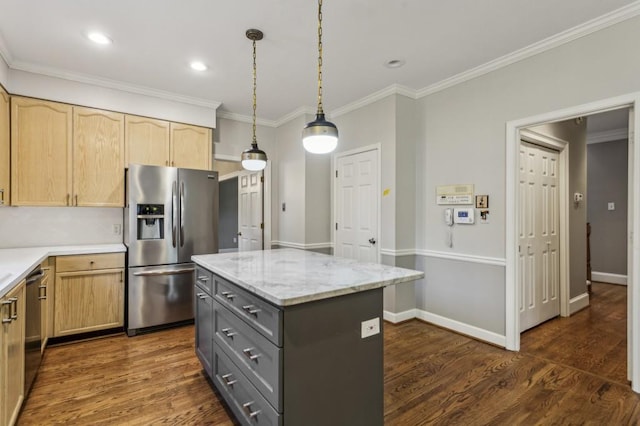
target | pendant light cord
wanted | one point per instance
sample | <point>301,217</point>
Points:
<point>254,143</point>
<point>320,109</point>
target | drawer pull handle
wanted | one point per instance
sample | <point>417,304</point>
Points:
<point>247,408</point>
<point>229,333</point>
<point>8,318</point>
<point>202,295</point>
<point>249,355</point>
<point>204,278</point>
<point>14,307</point>
<point>226,378</point>
<point>251,309</point>
<point>228,295</point>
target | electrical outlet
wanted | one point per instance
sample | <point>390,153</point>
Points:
<point>116,229</point>
<point>611,206</point>
<point>370,327</point>
<point>235,240</point>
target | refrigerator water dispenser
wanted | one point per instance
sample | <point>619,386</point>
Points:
<point>150,221</point>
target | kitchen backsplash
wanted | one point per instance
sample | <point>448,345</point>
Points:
<point>46,226</point>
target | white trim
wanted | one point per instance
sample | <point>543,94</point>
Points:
<point>394,89</point>
<point>606,277</point>
<point>579,302</point>
<point>633,259</point>
<point>113,84</point>
<point>549,43</point>
<point>4,52</point>
<point>313,246</point>
<point>230,175</point>
<point>401,252</point>
<point>562,147</point>
<point>298,112</point>
<point>608,136</point>
<point>460,327</point>
<point>267,174</point>
<point>226,157</point>
<point>497,261</point>
<point>245,118</point>
<point>396,317</point>
<point>334,161</point>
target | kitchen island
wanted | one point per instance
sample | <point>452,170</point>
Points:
<point>294,337</point>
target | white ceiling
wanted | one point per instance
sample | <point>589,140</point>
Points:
<point>154,41</point>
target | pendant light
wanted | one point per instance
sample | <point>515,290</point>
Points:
<point>254,159</point>
<point>320,136</point>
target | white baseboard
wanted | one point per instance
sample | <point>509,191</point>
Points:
<point>396,317</point>
<point>579,302</point>
<point>460,327</point>
<point>606,277</point>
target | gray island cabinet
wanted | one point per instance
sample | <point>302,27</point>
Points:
<point>291,337</point>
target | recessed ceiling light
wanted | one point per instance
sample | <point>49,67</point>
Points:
<point>198,66</point>
<point>394,63</point>
<point>99,38</point>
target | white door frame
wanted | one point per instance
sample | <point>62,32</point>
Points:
<point>266,195</point>
<point>513,129</point>
<point>562,147</point>
<point>336,199</point>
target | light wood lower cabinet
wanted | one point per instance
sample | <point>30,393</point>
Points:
<point>89,293</point>
<point>12,307</point>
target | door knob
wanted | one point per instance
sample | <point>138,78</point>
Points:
<point>372,240</point>
<point>240,234</point>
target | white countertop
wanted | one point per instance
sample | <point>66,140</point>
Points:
<point>16,263</point>
<point>289,277</point>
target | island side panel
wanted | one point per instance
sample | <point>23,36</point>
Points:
<point>331,374</point>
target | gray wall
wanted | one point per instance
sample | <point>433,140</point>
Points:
<point>607,182</point>
<point>576,134</point>
<point>228,214</point>
<point>464,142</point>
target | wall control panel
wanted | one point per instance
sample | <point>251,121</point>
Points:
<point>463,216</point>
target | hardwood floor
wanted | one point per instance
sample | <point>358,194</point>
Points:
<point>432,376</point>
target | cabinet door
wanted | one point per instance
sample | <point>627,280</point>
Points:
<point>98,158</point>
<point>191,147</point>
<point>147,141</point>
<point>44,305</point>
<point>5,142</point>
<point>204,329</point>
<point>88,300</point>
<point>12,351</point>
<point>40,152</point>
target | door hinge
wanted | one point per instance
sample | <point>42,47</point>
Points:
<point>261,179</point>
<point>262,225</point>
<point>336,173</point>
<point>336,226</point>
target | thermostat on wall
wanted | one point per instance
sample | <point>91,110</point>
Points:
<point>463,215</point>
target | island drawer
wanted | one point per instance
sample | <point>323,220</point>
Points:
<point>261,315</point>
<point>258,358</point>
<point>204,279</point>
<point>246,402</point>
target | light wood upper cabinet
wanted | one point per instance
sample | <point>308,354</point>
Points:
<point>98,158</point>
<point>191,146</point>
<point>41,156</point>
<point>5,143</point>
<point>147,141</point>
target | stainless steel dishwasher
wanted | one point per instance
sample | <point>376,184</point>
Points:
<point>33,332</point>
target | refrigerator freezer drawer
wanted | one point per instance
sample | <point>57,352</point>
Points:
<point>159,295</point>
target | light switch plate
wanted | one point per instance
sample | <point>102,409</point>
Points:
<point>370,327</point>
<point>611,206</point>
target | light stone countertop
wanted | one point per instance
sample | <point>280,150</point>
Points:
<point>16,263</point>
<point>289,276</point>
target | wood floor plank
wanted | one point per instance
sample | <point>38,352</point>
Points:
<point>569,371</point>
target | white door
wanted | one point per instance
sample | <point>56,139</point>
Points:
<point>538,235</point>
<point>356,233</point>
<point>250,211</point>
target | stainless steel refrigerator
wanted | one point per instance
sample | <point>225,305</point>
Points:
<point>170,215</point>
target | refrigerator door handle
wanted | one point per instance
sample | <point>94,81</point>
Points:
<point>171,272</point>
<point>181,214</point>
<point>174,213</point>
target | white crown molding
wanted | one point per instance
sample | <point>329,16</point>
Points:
<point>394,89</point>
<point>245,118</point>
<point>112,84</point>
<point>608,136</point>
<point>4,52</point>
<point>549,43</point>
